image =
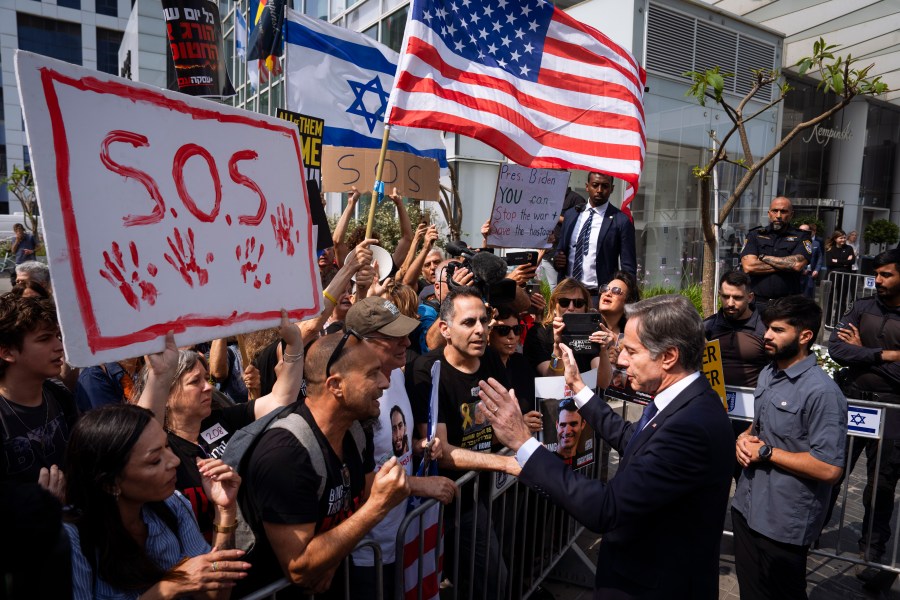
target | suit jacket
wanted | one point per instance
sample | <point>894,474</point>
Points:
<point>662,514</point>
<point>615,242</point>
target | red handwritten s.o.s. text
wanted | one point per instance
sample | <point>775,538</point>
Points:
<point>137,140</point>
<point>184,258</point>
<point>116,274</point>
<point>241,179</point>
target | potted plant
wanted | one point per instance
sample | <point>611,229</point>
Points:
<point>880,232</point>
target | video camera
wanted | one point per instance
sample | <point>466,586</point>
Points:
<point>489,272</point>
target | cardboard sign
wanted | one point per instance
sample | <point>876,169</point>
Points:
<point>712,368</point>
<point>527,205</point>
<point>413,176</point>
<point>163,212</point>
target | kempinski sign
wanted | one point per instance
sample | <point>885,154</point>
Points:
<point>823,135</point>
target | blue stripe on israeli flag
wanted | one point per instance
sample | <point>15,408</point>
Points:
<point>863,420</point>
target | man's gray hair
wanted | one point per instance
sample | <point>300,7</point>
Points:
<point>437,251</point>
<point>670,321</point>
<point>37,271</point>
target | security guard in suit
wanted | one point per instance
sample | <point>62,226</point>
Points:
<point>776,256</point>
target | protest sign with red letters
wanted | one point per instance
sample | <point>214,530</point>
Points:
<point>163,212</point>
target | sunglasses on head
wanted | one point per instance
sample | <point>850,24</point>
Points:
<point>614,290</point>
<point>505,330</point>
<point>336,355</point>
<point>578,302</point>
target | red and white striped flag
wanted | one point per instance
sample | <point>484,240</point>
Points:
<point>525,78</point>
<point>430,562</point>
<point>626,201</point>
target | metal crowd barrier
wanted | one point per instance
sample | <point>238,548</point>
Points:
<point>532,536</point>
<point>844,289</point>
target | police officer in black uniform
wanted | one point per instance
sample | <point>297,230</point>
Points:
<point>775,256</point>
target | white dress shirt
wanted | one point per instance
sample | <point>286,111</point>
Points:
<point>589,263</point>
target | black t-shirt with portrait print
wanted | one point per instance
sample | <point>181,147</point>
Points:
<point>280,487</point>
<point>35,437</point>
<point>459,405</point>
<point>215,431</point>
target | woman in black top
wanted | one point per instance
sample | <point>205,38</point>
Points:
<point>839,258</point>
<point>839,255</point>
<point>504,339</point>
<point>569,296</point>
<point>175,386</point>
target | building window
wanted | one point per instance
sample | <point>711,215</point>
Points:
<point>108,7</point>
<point>108,43</point>
<point>392,28</point>
<point>76,4</point>
<point>56,39</point>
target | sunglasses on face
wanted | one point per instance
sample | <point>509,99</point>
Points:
<point>505,330</point>
<point>615,290</point>
<point>578,302</point>
<point>337,351</point>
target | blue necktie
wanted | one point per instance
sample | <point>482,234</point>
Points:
<point>581,247</point>
<point>649,412</point>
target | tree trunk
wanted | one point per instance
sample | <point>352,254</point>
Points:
<point>710,253</point>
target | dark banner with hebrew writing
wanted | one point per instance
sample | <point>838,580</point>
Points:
<point>195,40</point>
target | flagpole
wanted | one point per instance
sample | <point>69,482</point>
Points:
<point>379,185</point>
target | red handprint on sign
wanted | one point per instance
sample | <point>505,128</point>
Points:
<point>116,274</point>
<point>184,259</point>
<point>283,226</point>
<point>249,263</point>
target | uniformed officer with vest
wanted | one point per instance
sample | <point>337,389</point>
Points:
<point>775,256</point>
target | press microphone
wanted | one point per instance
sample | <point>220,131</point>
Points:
<point>458,248</point>
<point>488,268</point>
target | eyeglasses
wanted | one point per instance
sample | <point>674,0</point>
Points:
<point>336,355</point>
<point>578,302</point>
<point>614,290</point>
<point>505,330</point>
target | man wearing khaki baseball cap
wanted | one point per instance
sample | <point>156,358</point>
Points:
<point>385,330</point>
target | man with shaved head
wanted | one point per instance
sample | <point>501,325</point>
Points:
<point>775,256</point>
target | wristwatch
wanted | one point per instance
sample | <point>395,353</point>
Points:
<point>765,453</point>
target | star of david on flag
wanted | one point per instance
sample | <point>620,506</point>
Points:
<point>526,78</point>
<point>345,78</point>
<point>863,421</point>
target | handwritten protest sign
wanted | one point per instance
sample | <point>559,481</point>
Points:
<point>163,212</point>
<point>413,176</point>
<point>526,206</point>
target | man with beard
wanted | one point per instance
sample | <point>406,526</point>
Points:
<point>569,426</point>
<point>867,342</point>
<point>595,237</point>
<point>301,533</point>
<point>740,331</point>
<point>792,454</point>
<point>776,256</point>
<point>385,333</point>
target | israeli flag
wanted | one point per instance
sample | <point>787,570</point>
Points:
<point>240,35</point>
<point>863,421</point>
<point>345,78</point>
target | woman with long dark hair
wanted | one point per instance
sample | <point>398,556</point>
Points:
<point>175,386</point>
<point>132,534</point>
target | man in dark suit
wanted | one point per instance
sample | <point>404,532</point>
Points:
<point>595,237</point>
<point>663,512</point>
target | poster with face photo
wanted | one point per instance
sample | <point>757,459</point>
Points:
<point>620,389</point>
<point>565,432</point>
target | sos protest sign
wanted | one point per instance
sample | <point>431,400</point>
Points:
<point>527,206</point>
<point>163,212</point>
<point>413,176</point>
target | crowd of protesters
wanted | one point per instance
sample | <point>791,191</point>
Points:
<point>122,474</point>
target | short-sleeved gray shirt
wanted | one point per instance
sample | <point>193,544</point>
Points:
<point>799,409</point>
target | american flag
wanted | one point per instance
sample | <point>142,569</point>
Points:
<point>525,78</point>
<point>626,201</point>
